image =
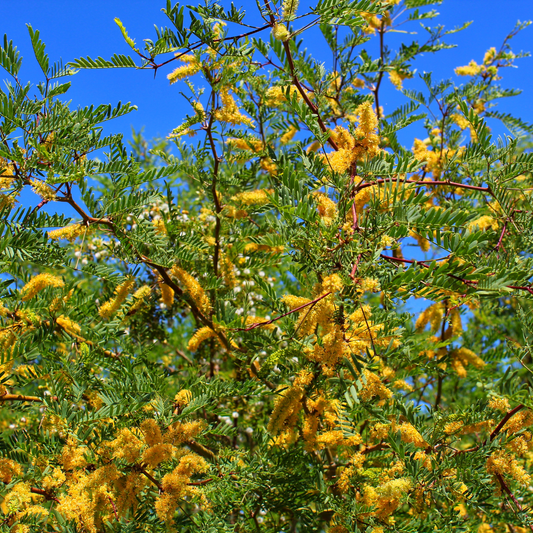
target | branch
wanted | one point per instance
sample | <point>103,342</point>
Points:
<point>506,489</point>
<point>44,493</point>
<point>260,324</point>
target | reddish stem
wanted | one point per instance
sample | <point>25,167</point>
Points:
<point>259,324</point>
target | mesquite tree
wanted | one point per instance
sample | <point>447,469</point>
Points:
<point>282,317</point>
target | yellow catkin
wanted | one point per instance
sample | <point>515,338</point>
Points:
<point>142,292</point>
<point>288,135</point>
<point>70,233</point>
<point>175,486</point>
<point>258,197</point>
<point>200,336</point>
<point>183,398</point>
<point>472,69</point>
<point>8,470</point>
<point>110,307</point>
<point>228,271</point>
<point>396,78</point>
<point>327,208</point>
<point>499,404</point>
<point>289,8</point>
<point>280,32</point>
<point>38,283</point>
<point>73,455</point>
<point>433,159</point>
<point>194,289</point>
<point>230,112</point>
<point>256,247</point>
<point>43,190</point>
<point>126,446</point>
<point>505,463</point>
<point>167,293</point>
<point>433,316</point>
<point>68,325</point>
<point>483,223</point>
<point>461,121</point>
<point>288,404</point>
<point>276,96</point>
<point>364,144</point>
<point>192,66</point>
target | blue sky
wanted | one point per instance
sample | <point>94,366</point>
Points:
<point>78,29</point>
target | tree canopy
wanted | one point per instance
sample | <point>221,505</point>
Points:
<point>283,317</point>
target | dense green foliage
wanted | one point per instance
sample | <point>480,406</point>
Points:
<point>225,337</point>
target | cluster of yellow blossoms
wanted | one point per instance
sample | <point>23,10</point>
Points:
<point>364,144</point>
<point>96,494</point>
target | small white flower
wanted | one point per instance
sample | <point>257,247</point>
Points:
<point>261,274</point>
<point>237,289</point>
<point>235,414</point>
<point>249,431</point>
<point>239,311</point>
<point>77,253</point>
<point>246,271</point>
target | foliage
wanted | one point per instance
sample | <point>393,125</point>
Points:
<point>289,322</point>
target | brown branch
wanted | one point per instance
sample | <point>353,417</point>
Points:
<point>507,490</point>
<point>381,72</point>
<point>260,324</point>
<point>494,433</point>
<point>297,83</point>
<point>504,420</point>
<point>218,207</point>
<point>150,477</point>
<point>376,448</point>
<point>421,183</point>
<point>44,493</point>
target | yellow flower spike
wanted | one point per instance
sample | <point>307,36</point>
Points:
<point>288,135</point>
<point>43,190</point>
<point>8,470</point>
<point>192,66</point>
<point>109,308</point>
<point>192,286</point>
<point>167,293</point>
<point>68,325</point>
<point>70,233</point>
<point>183,398</point>
<point>280,32</point>
<point>258,197</point>
<point>327,208</point>
<point>230,112</point>
<point>200,336</point>
<point>289,8</point>
<point>38,283</point>
<point>472,69</point>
